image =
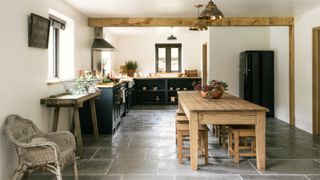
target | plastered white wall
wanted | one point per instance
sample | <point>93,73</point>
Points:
<point>226,43</point>
<point>142,50</point>
<point>303,67</point>
<point>279,43</point>
<point>23,70</point>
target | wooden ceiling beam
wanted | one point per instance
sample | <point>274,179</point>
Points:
<point>158,22</point>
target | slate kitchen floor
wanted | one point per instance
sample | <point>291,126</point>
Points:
<point>143,148</point>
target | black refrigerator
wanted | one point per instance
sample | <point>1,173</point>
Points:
<point>257,78</point>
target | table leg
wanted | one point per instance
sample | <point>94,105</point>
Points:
<point>77,130</point>
<point>94,118</point>
<point>194,135</point>
<point>55,119</point>
<point>179,107</point>
<point>261,140</point>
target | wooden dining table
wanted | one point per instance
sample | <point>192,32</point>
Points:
<point>228,110</point>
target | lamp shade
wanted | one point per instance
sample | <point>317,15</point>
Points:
<point>172,37</point>
<point>211,12</point>
<point>198,25</point>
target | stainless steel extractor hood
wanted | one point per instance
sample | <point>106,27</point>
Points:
<point>99,43</point>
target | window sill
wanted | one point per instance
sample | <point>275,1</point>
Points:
<point>58,81</point>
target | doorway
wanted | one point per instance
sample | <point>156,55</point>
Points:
<point>316,81</point>
<point>204,64</point>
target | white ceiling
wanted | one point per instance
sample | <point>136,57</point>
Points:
<point>185,8</point>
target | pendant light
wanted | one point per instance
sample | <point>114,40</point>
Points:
<point>199,24</point>
<point>172,38</point>
<point>211,12</point>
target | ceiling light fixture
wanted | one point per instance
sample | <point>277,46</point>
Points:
<point>211,12</point>
<point>199,24</point>
<point>172,38</point>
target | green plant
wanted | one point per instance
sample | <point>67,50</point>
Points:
<point>84,84</point>
<point>131,65</point>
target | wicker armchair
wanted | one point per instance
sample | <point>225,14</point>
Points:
<point>35,149</point>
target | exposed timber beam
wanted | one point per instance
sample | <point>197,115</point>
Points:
<point>158,22</point>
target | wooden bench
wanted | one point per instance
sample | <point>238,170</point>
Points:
<point>183,131</point>
<point>180,113</point>
<point>180,120</point>
<point>235,149</point>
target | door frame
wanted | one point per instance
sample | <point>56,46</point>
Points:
<point>204,63</point>
<point>316,81</point>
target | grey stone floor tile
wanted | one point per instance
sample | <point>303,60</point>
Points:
<point>90,167</point>
<point>161,153</point>
<point>129,154</point>
<point>208,177</point>
<point>88,152</point>
<point>148,177</point>
<point>313,177</point>
<point>133,167</point>
<point>95,177</point>
<point>143,147</point>
<point>173,167</point>
<point>273,177</point>
<point>227,166</point>
<point>293,153</point>
<point>301,166</point>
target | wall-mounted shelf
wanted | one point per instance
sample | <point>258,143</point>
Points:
<point>163,95</point>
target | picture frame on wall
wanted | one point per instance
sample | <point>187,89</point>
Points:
<point>39,29</point>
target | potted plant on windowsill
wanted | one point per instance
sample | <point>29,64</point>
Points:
<point>131,67</point>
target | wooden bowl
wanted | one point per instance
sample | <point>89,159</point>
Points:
<point>215,94</point>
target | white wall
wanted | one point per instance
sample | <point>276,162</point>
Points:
<point>23,70</point>
<point>142,50</point>
<point>279,43</point>
<point>226,43</point>
<point>303,67</point>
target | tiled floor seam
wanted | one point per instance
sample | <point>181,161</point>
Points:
<point>109,167</point>
<point>307,177</point>
<point>94,154</point>
<point>130,142</point>
<point>240,177</point>
<point>254,167</point>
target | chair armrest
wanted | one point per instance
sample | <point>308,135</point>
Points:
<point>64,139</point>
<point>39,152</point>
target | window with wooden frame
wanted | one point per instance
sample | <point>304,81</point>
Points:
<point>168,57</point>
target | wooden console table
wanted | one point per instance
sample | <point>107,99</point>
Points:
<point>75,101</point>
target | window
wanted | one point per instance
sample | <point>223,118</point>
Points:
<point>53,53</point>
<point>61,47</point>
<point>168,57</point>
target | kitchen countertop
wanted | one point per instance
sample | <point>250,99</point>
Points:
<point>108,85</point>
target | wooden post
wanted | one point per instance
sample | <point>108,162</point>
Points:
<point>55,119</point>
<point>291,77</point>
<point>204,64</point>
<point>194,135</point>
<point>94,118</point>
<point>261,140</point>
